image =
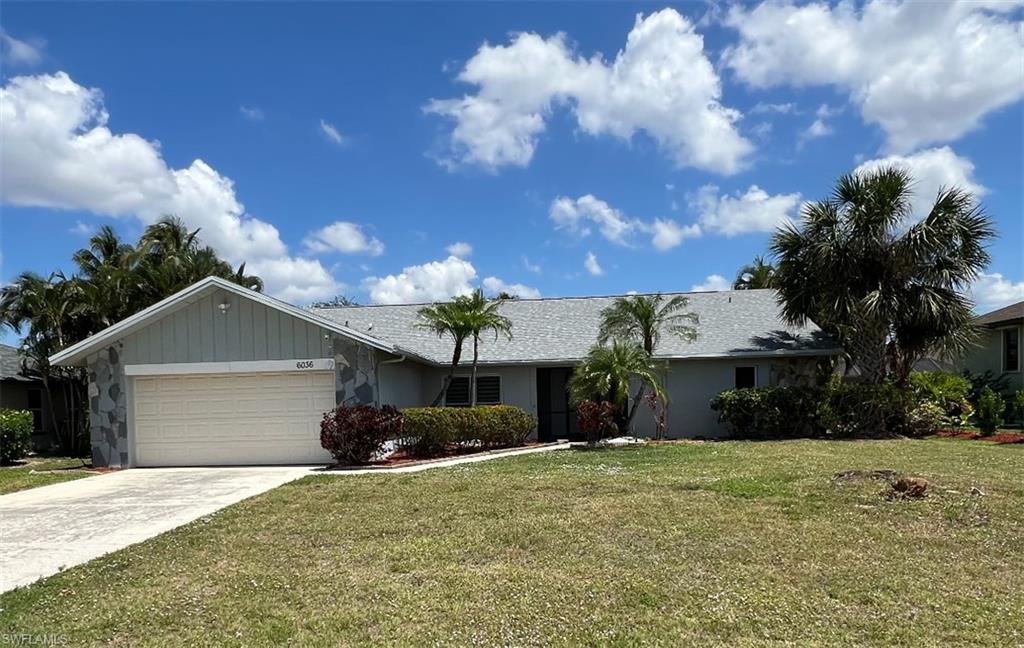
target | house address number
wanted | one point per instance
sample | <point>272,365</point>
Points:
<point>304,364</point>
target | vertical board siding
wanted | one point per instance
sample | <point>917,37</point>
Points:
<point>200,332</point>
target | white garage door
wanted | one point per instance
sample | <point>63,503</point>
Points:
<point>231,419</point>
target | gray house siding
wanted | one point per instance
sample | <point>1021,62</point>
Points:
<point>988,356</point>
<point>200,332</point>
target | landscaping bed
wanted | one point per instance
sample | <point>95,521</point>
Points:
<point>403,457</point>
<point>1001,436</point>
<point>726,543</point>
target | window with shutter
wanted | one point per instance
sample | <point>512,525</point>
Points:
<point>488,390</point>
<point>458,392</point>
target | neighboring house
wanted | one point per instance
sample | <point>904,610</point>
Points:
<point>23,392</point>
<point>217,374</point>
<point>998,349</point>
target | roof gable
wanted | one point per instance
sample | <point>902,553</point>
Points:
<point>1010,313</point>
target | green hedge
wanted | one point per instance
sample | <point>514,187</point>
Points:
<point>429,430</point>
<point>839,410</point>
<point>15,435</point>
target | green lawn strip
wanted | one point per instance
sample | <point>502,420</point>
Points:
<point>716,543</point>
<point>40,471</point>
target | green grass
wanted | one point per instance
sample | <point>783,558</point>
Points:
<point>40,471</point>
<point>719,543</point>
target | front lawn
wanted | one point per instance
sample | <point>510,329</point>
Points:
<point>717,543</point>
<point>40,471</point>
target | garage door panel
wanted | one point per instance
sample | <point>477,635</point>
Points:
<point>231,419</point>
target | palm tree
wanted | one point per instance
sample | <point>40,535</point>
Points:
<point>606,373</point>
<point>756,275</point>
<point>481,316</point>
<point>446,319</point>
<point>887,291</point>
<point>642,318</point>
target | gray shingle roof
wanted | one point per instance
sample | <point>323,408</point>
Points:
<point>743,322</point>
<point>1005,314</point>
<point>10,364</point>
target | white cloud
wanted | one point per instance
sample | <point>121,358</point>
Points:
<point>331,132</point>
<point>591,265</point>
<point>531,267</point>
<point>576,216</point>
<point>992,291</point>
<point>344,237</point>
<point>761,108</point>
<point>494,286</point>
<point>433,281</point>
<point>18,52</point>
<point>82,229</point>
<point>667,234</point>
<point>460,249</point>
<point>661,83</point>
<point>252,113</point>
<point>296,280</point>
<point>753,211</point>
<point>925,72</point>
<point>818,128</point>
<point>58,152</point>
<point>713,283</point>
<point>669,186</point>
<point>932,169</point>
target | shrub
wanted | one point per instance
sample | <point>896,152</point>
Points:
<point>1018,405</point>
<point>979,381</point>
<point>15,435</point>
<point>834,410</point>
<point>949,391</point>
<point>990,411</point>
<point>597,420</point>
<point>354,435</point>
<point>429,430</point>
<point>926,419</point>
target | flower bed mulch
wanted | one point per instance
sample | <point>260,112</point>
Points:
<point>402,458</point>
<point>973,435</point>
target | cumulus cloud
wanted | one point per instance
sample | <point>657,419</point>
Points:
<point>330,132</point>
<point>495,286</point>
<point>713,283</point>
<point>460,249</point>
<point>19,52</point>
<point>591,265</point>
<point>925,72</point>
<point>58,152</point>
<point>932,170</point>
<point>252,113</point>
<point>344,237</point>
<point>577,216</point>
<point>752,211</point>
<point>661,83</point>
<point>667,234</point>
<point>993,290</point>
<point>433,281</point>
<point>82,229</point>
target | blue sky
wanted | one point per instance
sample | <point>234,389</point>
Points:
<point>576,148</point>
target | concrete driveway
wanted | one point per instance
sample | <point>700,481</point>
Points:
<point>44,530</point>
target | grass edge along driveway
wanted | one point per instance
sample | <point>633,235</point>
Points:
<point>33,472</point>
<point>718,543</point>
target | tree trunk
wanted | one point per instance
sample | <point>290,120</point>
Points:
<point>456,356</point>
<point>472,378</point>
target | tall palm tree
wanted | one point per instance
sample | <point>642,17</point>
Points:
<point>887,291</point>
<point>642,319</point>
<point>481,316</point>
<point>606,373</point>
<point>759,274</point>
<point>446,320</point>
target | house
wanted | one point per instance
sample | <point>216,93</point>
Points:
<point>218,374</point>
<point>22,391</point>
<point>998,349</point>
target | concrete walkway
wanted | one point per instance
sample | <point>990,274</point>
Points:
<point>47,529</point>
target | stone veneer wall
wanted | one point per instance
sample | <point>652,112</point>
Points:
<point>108,412</point>
<point>355,379</point>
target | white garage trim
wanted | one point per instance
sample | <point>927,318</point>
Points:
<point>242,366</point>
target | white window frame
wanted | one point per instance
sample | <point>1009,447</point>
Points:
<point>501,389</point>
<point>738,367</point>
<point>1002,348</point>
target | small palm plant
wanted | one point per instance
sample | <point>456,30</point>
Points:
<point>643,319</point>
<point>606,373</point>
<point>756,275</point>
<point>446,320</point>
